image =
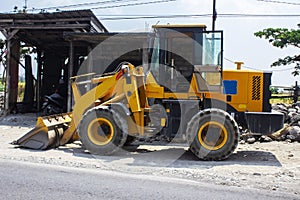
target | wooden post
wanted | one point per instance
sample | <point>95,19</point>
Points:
<point>38,84</point>
<point>71,66</point>
<point>28,99</point>
<point>7,79</point>
<point>12,75</point>
<point>296,92</point>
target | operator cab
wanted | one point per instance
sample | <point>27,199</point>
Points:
<point>181,51</point>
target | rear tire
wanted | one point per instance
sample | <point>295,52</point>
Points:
<point>130,139</point>
<point>212,134</point>
<point>102,131</point>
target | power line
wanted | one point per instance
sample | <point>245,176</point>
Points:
<point>102,3</point>
<point>280,2</point>
<point>274,70</point>
<point>82,4</point>
<point>229,60</point>
<point>280,70</point>
<point>259,15</point>
<point>161,1</point>
<point>133,4</point>
<point>128,17</point>
<point>132,17</point>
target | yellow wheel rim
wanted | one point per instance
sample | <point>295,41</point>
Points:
<point>100,131</point>
<point>212,135</point>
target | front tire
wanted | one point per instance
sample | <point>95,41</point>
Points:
<point>212,134</point>
<point>102,131</point>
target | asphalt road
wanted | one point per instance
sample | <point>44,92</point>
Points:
<point>19,180</point>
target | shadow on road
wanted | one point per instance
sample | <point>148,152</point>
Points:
<point>27,120</point>
<point>262,158</point>
<point>155,155</point>
<point>176,157</point>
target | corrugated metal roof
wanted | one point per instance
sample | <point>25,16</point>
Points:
<point>45,30</point>
<point>76,14</point>
<point>52,15</point>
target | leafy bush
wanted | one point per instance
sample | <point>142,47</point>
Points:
<point>1,87</point>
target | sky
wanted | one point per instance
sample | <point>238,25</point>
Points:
<point>240,44</point>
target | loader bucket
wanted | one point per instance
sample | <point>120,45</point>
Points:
<point>47,133</point>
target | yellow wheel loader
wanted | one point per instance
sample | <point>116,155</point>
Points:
<point>183,94</point>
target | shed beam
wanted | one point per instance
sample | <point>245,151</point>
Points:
<point>39,79</point>
<point>71,68</point>
<point>12,34</point>
<point>52,26</point>
<point>4,33</point>
<point>16,21</point>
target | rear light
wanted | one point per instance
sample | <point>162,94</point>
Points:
<point>119,75</point>
<point>124,70</point>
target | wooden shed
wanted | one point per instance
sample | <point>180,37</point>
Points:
<point>45,33</point>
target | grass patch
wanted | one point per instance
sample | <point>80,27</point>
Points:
<point>21,89</point>
<point>282,100</point>
<point>286,100</point>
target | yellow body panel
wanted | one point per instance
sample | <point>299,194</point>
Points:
<point>153,90</point>
<point>248,83</point>
<point>243,100</point>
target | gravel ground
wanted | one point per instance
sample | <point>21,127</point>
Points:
<point>273,167</point>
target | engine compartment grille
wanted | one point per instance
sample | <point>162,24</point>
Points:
<point>256,88</point>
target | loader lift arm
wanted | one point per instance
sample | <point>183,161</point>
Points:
<point>53,131</point>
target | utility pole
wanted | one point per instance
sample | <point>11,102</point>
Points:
<point>25,6</point>
<point>214,16</point>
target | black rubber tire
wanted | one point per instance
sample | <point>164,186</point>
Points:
<point>212,116</point>
<point>130,139</point>
<point>118,123</point>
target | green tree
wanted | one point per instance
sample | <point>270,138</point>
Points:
<point>282,38</point>
<point>2,59</point>
<point>23,51</point>
<point>2,48</point>
<point>274,90</point>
